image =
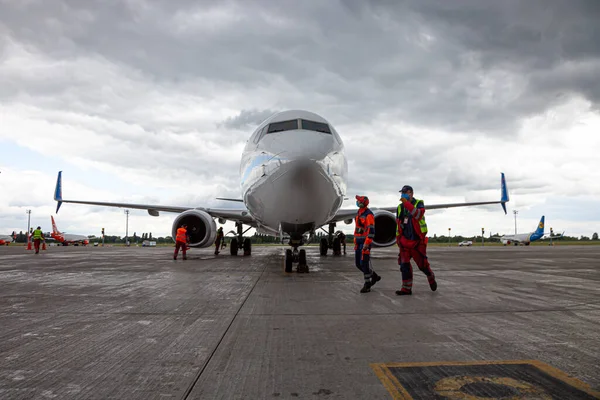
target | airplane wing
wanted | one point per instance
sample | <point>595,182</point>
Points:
<point>349,214</point>
<point>545,237</point>
<point>154,209</point>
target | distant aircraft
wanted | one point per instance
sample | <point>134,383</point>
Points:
<point>293,181</point>
<point>5,240</point>
<point>67,238</point>
<point>527,238</point>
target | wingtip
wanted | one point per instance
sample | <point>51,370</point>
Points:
<point>58,191</point>
<point>505,197</point>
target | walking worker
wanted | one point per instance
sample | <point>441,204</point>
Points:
<point>38,236</point>
<point>342,237</point>
<point>181,242</point>
<point>364,232</point>
<point>220,238</point>
<point>411,231</point>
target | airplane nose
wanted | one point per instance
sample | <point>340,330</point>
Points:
<point>301,144</point>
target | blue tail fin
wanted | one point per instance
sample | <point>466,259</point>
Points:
<point>504,199</point>
<point>58,191</point>
<point>540,228</point>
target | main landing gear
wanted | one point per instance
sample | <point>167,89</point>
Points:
<point>330,242</point>
<point>296,256</point>
<point>239,243</point>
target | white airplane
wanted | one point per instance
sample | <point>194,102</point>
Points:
<point>67,238</point>
<point>293,181</point>
<point>527,238</point>
<point>7,239</point>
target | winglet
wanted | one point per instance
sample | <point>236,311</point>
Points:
<point>229,199</point>
<point>58,191</point>
<point>504,199</point>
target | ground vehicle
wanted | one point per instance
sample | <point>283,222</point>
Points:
<point>465,243</point>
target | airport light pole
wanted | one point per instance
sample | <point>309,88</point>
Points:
<point>515,212</point>
<point>127,228</point>
<point>482,232</point>
<point>449,237</point>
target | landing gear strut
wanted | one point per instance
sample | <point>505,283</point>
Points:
<point>296,256</point>
<point>239,242</point>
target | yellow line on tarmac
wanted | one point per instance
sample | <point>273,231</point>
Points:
<point>390,382</point>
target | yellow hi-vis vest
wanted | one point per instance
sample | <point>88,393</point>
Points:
<point>37,234</point>
<point>422,222</point>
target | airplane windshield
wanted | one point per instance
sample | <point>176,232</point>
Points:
<point>283,126</point>
<point>315,126</point>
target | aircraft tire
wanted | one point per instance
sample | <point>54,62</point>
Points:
<point>323,246</point>
<point>247,247</point>
<point>289,259</point>
<point>233,247</point>
<point>302,257</point>
<point>337,247</point>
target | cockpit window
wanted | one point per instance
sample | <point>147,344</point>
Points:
<point>315,126</point>
<point>283,126</point>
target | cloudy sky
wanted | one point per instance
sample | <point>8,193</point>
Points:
<point>153,101</point>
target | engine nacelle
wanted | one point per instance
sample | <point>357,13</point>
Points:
<point>201,228</point>
<point>385,228</point>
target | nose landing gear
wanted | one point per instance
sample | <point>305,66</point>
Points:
<point>239,243</point>
<point>331,242</point>
<point>296,256</point>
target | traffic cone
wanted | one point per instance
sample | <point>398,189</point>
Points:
<point>44,245</point>
<point>29,244</point>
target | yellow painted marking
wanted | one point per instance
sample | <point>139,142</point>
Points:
<point>451,388</point>
<point>399,393</point>
<point>390,382</point>
<point>560,375</point>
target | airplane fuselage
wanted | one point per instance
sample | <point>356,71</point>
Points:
<point>524,238</point>
<point>293,180</point>
<point>67,238</point>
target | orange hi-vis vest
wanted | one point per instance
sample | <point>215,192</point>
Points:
<point>181,235</point>
<point>364,231</point>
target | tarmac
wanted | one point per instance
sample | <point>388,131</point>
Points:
<point>132,323</point>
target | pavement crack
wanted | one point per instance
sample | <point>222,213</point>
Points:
<point>197,378</point>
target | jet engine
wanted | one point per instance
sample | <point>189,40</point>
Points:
<point>385,228</point>
<point>201,228</point>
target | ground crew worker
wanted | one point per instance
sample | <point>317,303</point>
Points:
<point>181,242</point>
<point>411,230</point>
<point>364,232</point>
<point>220,238</point>
<point>342,237</point>
<point>38,236</point>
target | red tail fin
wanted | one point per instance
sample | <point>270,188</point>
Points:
<point>54,228</point>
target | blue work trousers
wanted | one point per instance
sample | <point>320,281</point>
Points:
<point>363,261</point>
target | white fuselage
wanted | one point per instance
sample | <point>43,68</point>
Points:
<point>293,181</point>
<point>6,238</point>
<point>522,238</point>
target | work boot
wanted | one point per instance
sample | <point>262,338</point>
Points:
<point>433,285</point>
<point>366,288</point>
<point>403,292</point>
<point>185,258</point>
<point>375,278</point>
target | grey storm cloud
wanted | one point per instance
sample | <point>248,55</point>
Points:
<point>462,66</point>
<point>247,119</point>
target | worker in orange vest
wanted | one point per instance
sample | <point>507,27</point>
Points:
<point>364,233</point>
<point>181,241</point>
